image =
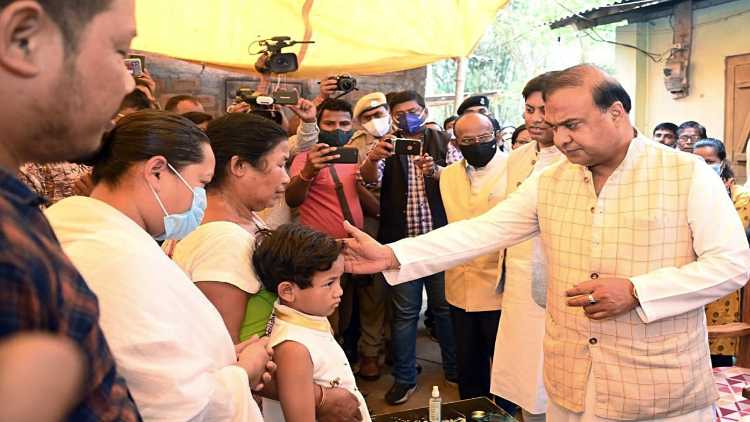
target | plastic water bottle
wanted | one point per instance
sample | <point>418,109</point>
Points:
<point>435,403</point>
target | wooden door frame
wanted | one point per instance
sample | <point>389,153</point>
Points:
<point>729,123</point>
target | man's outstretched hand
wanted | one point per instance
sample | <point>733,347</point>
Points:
<point>364,255</point>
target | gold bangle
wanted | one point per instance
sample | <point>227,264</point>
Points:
<point>322,397</point>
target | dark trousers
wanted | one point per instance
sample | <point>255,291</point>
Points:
<point>475,334</point>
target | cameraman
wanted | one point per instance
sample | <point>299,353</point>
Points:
<point>410,205</point>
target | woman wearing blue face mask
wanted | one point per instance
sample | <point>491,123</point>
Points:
<point>726,309</point>
<point>169,341</point>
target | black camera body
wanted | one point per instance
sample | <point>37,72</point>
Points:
<point>249,96</point>
<point>281,97</point>
<point>345,83</point>
<point>273,60</point>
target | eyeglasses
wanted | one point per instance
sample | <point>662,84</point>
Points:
<point>467,141</point>
<point>415,110</point>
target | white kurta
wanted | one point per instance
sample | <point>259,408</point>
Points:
<point>517,364</point>
<point>722,264</point>
<point>330,365</point>
<point>168,340</point>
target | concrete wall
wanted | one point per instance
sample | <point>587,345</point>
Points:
<point>718,32</point>
<point>214,87</point>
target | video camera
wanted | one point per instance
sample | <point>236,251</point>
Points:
<point>276,61</point>
<point>281,97</point>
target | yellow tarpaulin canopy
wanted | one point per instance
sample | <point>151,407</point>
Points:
<point>351,36</point>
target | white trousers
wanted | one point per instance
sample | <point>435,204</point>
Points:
<point>530,417</point>
<point>556,413</point>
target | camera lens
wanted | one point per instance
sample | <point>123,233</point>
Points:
<point>346,83</point>
<point>280,61</point>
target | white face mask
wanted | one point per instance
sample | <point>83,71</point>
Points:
<point>450,133</point>
<point>378,127</point>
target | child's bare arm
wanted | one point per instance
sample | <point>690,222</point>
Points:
<point>294,382</point>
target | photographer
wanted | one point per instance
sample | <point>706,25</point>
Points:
<point>326,193</point>
<point>314,182</point>
<point>410,205</point>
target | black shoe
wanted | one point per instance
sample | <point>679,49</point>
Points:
<point>399,393</point>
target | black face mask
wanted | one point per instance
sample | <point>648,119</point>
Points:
<point>335,138</point>
<point>478,155</point>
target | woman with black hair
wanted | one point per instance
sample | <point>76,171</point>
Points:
<point>726,309</point>
<point>169,341</point>
<point>249,176</point>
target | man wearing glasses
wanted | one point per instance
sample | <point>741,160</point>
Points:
<point>410,205</point>
<point>688,134</point>
<point>469,188</point>
<point>481,104</point>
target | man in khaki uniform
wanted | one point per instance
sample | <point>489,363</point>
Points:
<point>372,114</point>
<point>638,238</point>
<point>469,188</point>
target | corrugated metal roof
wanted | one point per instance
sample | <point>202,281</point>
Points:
<point>609,13</point>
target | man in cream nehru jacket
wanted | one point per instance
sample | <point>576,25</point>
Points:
<point>638,237</point>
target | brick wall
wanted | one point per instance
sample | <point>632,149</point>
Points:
<point>215,87</point>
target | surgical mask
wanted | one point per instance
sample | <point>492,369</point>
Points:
<point>378,127</point>
<point>450,133</point>
<point>478,155</point>
<point>334,138</point>
<point>177,226</point>
<point>411,123</point>
<point>717,168</point>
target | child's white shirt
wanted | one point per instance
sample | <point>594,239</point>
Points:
<point>330,366</point>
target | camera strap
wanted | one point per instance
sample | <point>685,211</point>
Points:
<point>345,92</point>
<point>340,194</point>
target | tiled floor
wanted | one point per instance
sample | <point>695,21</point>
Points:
<point>428,355</point>
<point>732,406</point>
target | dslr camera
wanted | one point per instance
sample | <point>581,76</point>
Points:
<point>272,60</point>
<point>345,83</point>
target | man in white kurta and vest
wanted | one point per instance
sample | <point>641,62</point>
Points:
<point>638,238</point>
<point>469,188</point>
<point>517,363</point>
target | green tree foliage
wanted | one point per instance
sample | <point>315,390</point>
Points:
<point>519,46</point>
